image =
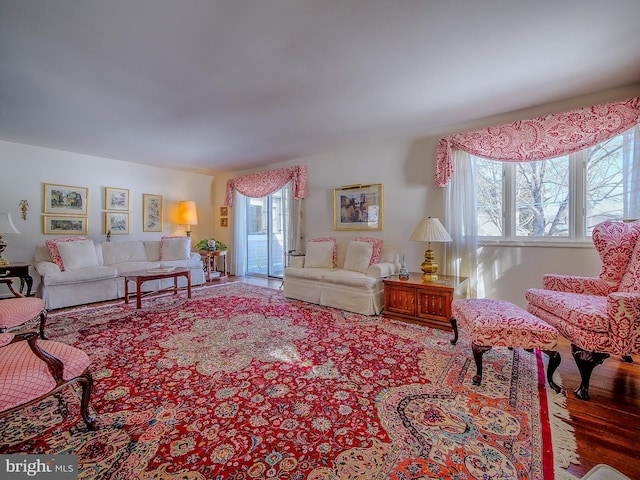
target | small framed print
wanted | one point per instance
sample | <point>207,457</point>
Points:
<point>65,199</point>
<point>358,207</point>
<point>151,212</point>
<point>224,222</point>
<point>64,224</point>
<point>116,199</point>
<point>116,223</point>
<point>224,211</point>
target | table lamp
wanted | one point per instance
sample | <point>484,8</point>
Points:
<point>430,230</point>
<point>6,226</point>
<point>187,215</point>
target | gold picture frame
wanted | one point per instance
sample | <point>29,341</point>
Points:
<point>64,225</point>
<point>116,199</point>
<point>65,199</point>
<point>224,211</point>
<point>358,207</point>
<point>151,212</point>
<point>224,222</point>
<point>116,223</point>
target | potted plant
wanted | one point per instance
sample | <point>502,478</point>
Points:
<point>210,244</point>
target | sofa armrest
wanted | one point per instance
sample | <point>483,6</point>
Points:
<point>574,284</point>
<point>624,322</point>
<point>47,268</point>
<point>382,269</point>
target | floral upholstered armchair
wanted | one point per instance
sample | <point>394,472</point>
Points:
<point>599,315</point>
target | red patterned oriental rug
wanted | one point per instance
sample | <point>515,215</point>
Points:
<point>241,383</point>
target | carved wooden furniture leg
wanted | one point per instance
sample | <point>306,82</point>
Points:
<point>86,380</point>
<point>478,351</point>
<point>627,358</point>
<point>454,326</point>
<point>586,362</point>
<point>554,363</point>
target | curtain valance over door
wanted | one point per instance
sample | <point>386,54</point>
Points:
<point>540,138</point>
<point>265,183</point>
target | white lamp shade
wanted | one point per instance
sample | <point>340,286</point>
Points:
<point>430,230</point>
<point>6,224</point>
<point>187,213</point>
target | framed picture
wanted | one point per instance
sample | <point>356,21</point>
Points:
<point>151,212</point>
<point>64,224</point>
<point>224,211</point>
<point>116,223</point>
<point>116,199</point>
<point>358,207</point>
<point>224,222</point>
<point>65,199</point>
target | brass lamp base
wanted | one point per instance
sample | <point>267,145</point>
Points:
<point>429,267</point>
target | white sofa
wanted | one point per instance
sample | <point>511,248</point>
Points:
<point>78,271</point>
<point>356,286</point>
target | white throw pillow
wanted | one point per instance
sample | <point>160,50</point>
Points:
<point>319,255</point>
<point>358,256</point>
<point>77,255</point>
<point>175,248</point>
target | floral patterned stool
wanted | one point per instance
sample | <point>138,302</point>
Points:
<point>496,323</point>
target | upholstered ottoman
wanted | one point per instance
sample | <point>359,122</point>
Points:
<point>496,323</point>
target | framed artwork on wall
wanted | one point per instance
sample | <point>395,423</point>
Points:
<point>116,199</point>
<point>151,212</point>
<point>116,223</point>
<point>65,199</point>
<point>224,211</point>
<point>64,224</point>
<point>224,222</point>
<point>358,207</point>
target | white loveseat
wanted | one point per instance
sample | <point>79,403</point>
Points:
<point>356,286</point>
<point>76,271</point>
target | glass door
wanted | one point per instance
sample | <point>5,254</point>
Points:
<point>267,221</point>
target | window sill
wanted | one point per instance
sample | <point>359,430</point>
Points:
<point>536,243</point>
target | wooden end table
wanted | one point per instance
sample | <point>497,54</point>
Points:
<point>418,301</point>
<point>211,262</point>
<point>17,270</point>
<point>145,276</point>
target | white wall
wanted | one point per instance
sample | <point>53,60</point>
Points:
<point>406,169</point>
<point>26,168</point>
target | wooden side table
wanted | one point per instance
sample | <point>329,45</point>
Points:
<point>418,301</point>
<point>18,270</point>
<point>211,262</point>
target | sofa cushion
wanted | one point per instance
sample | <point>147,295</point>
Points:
<point>358,256</point>
<point>129,267</point>
<point>152,248</point>
<point>589,312</point>
<point>615,242</point>
<point>54,253</point>
<point>81,275</point>
<point>175,248</point>
<point>77,255</point>
<point>307,273</point>
<point>119,252</point>
<point>335,246</point>
<point>631,279</point>
<point>350,278</point>
<point>376,243</point>
<point>319,255</point>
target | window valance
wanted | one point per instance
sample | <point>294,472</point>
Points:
<point>265,183</point>
<point>540,138</point>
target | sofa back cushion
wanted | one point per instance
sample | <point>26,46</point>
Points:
<point>319,255</point>
<point>334,241</point>
<point>175,248</point>
<point>153,250</point>
<point>358,256</point>
<point>615,243</point>
<point>119,252</point>
<point>376,243</point>
<point>54,253</point>
<point>80,254</point>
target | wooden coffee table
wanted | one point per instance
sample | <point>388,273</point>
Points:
<point>147,275</point>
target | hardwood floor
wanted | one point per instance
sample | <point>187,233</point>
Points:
<point>607,428</point>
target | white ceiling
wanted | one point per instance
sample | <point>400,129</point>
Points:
<point>212,85</point>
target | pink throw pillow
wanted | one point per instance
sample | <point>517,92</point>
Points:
<point>376,243</point>
<point>335,246</point>
<point>54,253</point>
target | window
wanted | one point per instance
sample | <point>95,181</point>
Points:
<point>561,199</point>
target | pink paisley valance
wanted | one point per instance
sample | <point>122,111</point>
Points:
<point>540,138</point>
<point>265,183</point>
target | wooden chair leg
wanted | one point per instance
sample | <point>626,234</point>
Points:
<point>43,321</point>
<point>586,362</point>
<point>478,352</point>
<point>554,363</point>
<point>86,380</point>
<point>454,326</point>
